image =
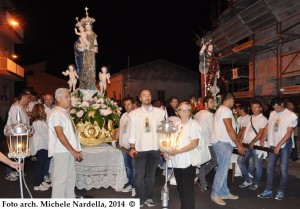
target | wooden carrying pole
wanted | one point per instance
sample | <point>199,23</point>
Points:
<point>267,149</point>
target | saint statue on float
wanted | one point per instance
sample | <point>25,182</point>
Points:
<point>95,116</point>
<point>209,66</point>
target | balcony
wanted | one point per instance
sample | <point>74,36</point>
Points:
<point>10,69</point>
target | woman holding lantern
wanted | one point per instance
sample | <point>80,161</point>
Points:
<point>187,139</point>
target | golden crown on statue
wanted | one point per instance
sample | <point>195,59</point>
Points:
<point>87,20</point>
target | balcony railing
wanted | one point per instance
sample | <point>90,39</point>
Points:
<point>8,66</point>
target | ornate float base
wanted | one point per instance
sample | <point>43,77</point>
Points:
<point>95,117</point>
<point>91,134</point>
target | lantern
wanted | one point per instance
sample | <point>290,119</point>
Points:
<point>17,136</point>
<point>167,140</point>
<point>167,130</point>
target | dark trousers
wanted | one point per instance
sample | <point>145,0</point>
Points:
<point>294,154</point>
<point>185,184</point>
<point>41,166</point>
<point>145,167</point>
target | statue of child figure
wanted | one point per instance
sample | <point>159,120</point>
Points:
<point>71,72</point>
<point>103,76</point>
<point>84,43</point>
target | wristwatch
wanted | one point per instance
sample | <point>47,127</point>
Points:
<point>180,152</point>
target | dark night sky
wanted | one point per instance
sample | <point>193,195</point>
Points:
<point>143,30</point>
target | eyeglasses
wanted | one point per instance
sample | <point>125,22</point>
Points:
<point>184,111</point>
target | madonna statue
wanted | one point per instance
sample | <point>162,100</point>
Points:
<point>85,56</point>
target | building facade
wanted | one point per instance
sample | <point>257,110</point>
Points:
<point>163,78</point>
<point>11,33</point>
<point>259,41</point>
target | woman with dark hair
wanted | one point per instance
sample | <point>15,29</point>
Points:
<point>40,146</point>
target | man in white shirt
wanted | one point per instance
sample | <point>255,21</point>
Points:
<point>64,146</point>
<point>242,120</point>
<point>122,135</point>
<point>279,131</point>
<point>23,99</point>
<point>144,146</point>
<point>205,118</point>
<point>251,135</point>
<point>224,139</point>
<point>48,104</point>
<point>32,102</point>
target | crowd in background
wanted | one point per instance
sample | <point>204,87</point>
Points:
<point>223,127</point>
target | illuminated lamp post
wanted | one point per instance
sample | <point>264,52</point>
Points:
<point>17,136</point>
<point>167,140</point>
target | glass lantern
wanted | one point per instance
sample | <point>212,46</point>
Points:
<point>167,131</point>
<point>167,140</point>
<point>17,136</point>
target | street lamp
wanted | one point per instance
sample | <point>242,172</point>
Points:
<point>17,136</point>
<point>167,140</point>
<point>13,23</point>
<point>14,56</point>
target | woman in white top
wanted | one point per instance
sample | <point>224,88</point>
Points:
<point>40,146</point>
<point>186,140</point>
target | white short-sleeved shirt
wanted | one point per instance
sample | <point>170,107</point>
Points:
<point>124,131</point>
<point>48,111</point>
<point>187,132</point>
<point>142,128</point>
<point>12,114</point>
<point>31,105</point>
<point>60,117</point>
<point>242,122</point>
<point>258,122</point>
<point>40,136</point>
<point>205,120</point>
<point>219,132</point>
<point>278,124</point>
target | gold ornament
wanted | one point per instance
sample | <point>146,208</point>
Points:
<point>91,134</point>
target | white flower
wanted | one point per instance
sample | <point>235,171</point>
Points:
<point>85,98</point>
<point>103,106</point>
<point>78,103</point>
<point>105,112</point>
<point>72,111</point>
<point>80,113</point>
<point>96,106</point>
<point>74,101</point>
<point>100,100</point>
<point>85,104</point>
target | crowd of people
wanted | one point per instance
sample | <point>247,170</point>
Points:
<point>222,132</point>
<point>55,144</point>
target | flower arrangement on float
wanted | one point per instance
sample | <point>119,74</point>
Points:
<point>95,117</point>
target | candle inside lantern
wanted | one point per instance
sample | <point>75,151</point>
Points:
<point>166,130</point>
<point>19,148</point>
